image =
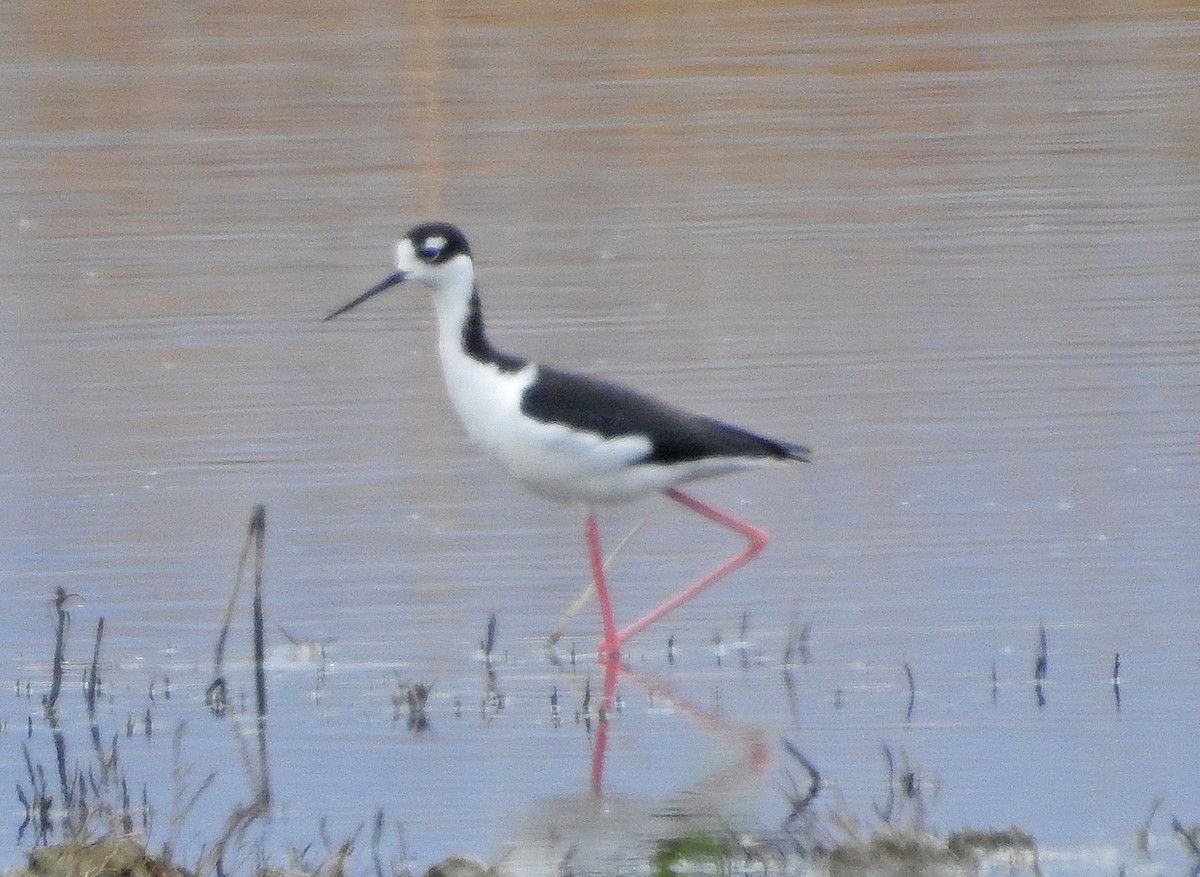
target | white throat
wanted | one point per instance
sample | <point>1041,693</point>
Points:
<point>485,395</point>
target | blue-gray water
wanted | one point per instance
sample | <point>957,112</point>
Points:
<point>951,246</point>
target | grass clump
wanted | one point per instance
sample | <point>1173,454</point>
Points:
<point>107,857</point>
<point>689,854</point>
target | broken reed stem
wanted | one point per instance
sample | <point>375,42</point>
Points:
<point>489,639</point>
<point>1041,665</point>
<point>796,648</point>
<point>258,526</point>
<point>237,822</point>
<point>241,818</point>
<point>60,647</point>
<point>94,672</point>
<point>589,589</point>
<point>376,840</point>
<point>800,801</point>
<point>1116,680</point>
<point>108,764</point>
<point>1188,836</point>
<point>217,694</point>
<point>885,812</point>
<point>258,532</point>
<point>912,692</point>
<point>50,702</point>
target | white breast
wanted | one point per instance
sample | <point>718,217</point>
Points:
<point>549,459</point>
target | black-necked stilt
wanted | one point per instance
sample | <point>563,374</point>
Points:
<point>570,437</point>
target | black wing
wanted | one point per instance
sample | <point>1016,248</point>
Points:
<point>613,411</point>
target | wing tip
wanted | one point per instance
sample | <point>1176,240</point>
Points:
<point>799,453</point>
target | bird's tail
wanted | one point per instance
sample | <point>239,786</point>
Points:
<point>790,451</point>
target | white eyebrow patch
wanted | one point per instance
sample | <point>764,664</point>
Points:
<point>433,245</point>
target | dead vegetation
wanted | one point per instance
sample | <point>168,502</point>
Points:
<point>81,816</point>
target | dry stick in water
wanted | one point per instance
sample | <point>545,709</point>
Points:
<point>258,529</point>
<point>107,761</point>
<point>1189,836</point>
<point>796,648</point>
<point>1116,680</point>
<point>60,645</point>
<point>93,679</point>
<point>1041,666</point>
<point>242,817</point>
<point>589,589</point>
<point>912,693</point>
<point>50,702</point>
<point>217,695</point>
<point>180,810</point>
<point>885,812</point>
<point>1142,835</point>
<point>797,800</point>
<point>39,805</point>
<point>489,640</point>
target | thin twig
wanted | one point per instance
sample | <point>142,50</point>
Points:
<point>93,681</point>
<point>912,693</point>
<point>799,802</point>
<point>581,601</point>
<point>1116,680</point>
<point>489,639</point>
<point>258,533</point>
<point>1041,666</point>
<point>885,812</point>
<point>796,648</point>
<point>376,840</point>
<point>63,621</point>
<point>217,695</point>
<point>241,818</point>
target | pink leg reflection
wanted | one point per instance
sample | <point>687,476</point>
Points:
<point>747,739</point>
<point>611,668</point>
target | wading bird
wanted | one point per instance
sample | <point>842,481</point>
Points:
<point>571,437</point>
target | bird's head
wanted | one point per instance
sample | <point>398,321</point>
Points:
<point>435,255</point>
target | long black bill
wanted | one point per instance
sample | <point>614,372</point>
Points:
<point>387,283</point>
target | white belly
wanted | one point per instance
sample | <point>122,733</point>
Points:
<point>547,458</point>
<point>552,459</point>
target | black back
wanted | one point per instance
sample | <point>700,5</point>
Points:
<point>611,410</point>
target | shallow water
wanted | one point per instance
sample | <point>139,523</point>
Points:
<point>951,246</point>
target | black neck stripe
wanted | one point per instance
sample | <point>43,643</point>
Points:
<point>476,344</point>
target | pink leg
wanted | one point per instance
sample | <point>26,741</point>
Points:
<point>756,539</point>
<point>610,648</point>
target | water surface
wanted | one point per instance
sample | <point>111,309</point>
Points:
<point>951,246</point>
